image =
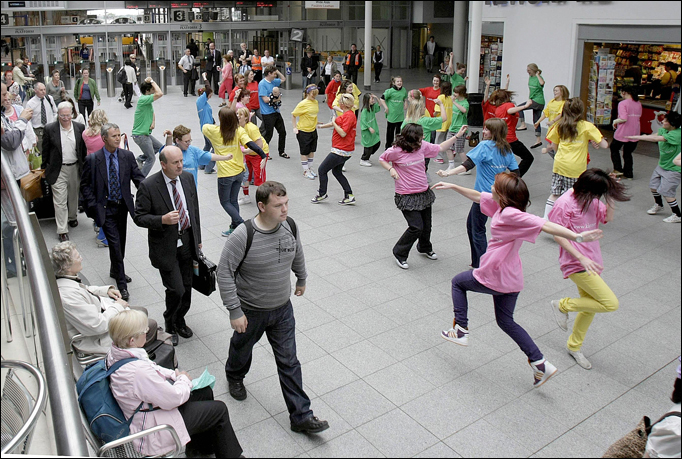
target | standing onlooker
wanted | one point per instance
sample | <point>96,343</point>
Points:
<point>255,288</point>
<point>396,104</point>
<point>536,85</point>
<point>267,59</point>
<point>369,128</point>
<point>131,81</point>
<point>406,164</point>
<point>309,65</point>
<point>21,78</point>
<point>430,49</point>
<point>144,123</point>
<point>63,154</point>
<point>13,88</point>
<point>55,88</point>
<point>666,177</point>
<point>44,112</point>
<point>665,434</point>
<point>627,124</point>
<point>353,63</point>
<point>257,66</point>
<point>378,59</point>
<point>13,133</point>
<point>306,128</point>
<point>212,69</point>
<point>244,54</point>
<point>227,73</point>
<point>85,53</point>
<point>13,112</point>
<point>84,92</point>
<point>272,119</point>
<point>330,69</point>
<point>168,206</point>
<point>186,64</point>
<point>193,48</point>
<point>106,190</point>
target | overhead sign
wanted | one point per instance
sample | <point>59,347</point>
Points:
<point>323,5</point>
<point>296,35</point>
<point>4,19</point>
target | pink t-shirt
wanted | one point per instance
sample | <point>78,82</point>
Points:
<point>93,143</point>
<point>411,167</point>
<point>631,112</point>
<point>501,268</point>
<point>568,212</point>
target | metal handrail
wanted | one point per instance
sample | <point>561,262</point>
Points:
<point>68,433</point>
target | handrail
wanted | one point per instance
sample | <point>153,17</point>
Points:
<point>66,420</point>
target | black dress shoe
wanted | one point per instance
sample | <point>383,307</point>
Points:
<point>63,237</point>
<point>124,294</point>
<point>174,338</point>
<point>184,331</point>
<point>128,279</point>
<point>73,223</point>
<point>310,425</point>
<point>237,390</point>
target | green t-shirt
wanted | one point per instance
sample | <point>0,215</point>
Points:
<point>368,119</point>
<point>536,92</point>
<point>669,149</point>
<point>428,124</point>
<point>459,119</point>
<point>455,80</point>
<point>395,100</point>
<point>144,115</point>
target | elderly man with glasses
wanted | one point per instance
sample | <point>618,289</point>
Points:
<point>63,152</point>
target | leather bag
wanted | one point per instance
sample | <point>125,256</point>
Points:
<point>204,277</point>
<point>31,187</point>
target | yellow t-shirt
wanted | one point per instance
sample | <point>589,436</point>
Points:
<point>553,109</point>
<point>447,103</point>
<point>571,156</point>
<point>306,111</point>
<point>356,101</point>
<point>235,166</point>
<point>254,133</point>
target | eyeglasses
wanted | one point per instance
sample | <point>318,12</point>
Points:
<point>66,117</point>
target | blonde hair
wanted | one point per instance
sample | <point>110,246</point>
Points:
<point>347,101</point>
<point>415,110</point>
<point>311,89</point>
<point>534,68</point>
<point>245,112</point>
<point>126,325</point>
<point>96,120</point>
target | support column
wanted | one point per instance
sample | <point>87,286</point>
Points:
<point>367,81</point>
<point>459,31</point>
<point>475,26</point>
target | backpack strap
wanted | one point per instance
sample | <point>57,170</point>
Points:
<point>249,240</point>
<point>292,225</point>
<point>666,415</point>
<point>109,372</point>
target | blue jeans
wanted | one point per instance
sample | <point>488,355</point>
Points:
<point>208,147</point>
<point>228,192</point>
<point>279,325</point>
<point>505,303</point>
<point>476,232</point>
<point>150,147</point>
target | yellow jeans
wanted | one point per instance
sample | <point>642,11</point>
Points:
<point>595,297</point>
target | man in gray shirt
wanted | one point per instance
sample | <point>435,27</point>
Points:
<point>254,282</point>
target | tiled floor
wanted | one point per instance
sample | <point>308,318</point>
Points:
<point>368,332</point>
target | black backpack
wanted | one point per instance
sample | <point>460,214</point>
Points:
<point>250,231</point>
<point>122,76</point>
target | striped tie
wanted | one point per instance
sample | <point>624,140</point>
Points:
<point>184,221</point>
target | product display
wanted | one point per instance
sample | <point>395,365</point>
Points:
<point>600,90</point>
<point>491,61</point>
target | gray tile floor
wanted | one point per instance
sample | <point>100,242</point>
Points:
<point>368,332</point>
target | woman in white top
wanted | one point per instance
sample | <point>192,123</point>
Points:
<point>329,69</point>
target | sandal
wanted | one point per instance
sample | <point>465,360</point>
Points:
<point>539,144</point>
<point>284,155</point>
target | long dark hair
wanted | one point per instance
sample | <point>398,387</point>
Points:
<point>228,124</point>
<point>595,184</point>
<point>446,88</point>
<point>366,99</point>
<point>512,191</point>
<point>574,111</point>
<point>498,134</point>
<point>410,138</point>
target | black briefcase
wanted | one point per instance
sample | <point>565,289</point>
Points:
<point>204,279</point>
<point>162,354</point>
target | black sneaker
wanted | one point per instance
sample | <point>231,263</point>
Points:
<point>310,425</point>
<point>237,390</point>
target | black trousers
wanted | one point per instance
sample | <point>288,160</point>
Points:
<point>115,230</point>
<point>178,283</point>
<point>213,76</point>
<point>83,105</point>
<point>257,75</point>
<point>628,149</point>
<point>128,94</point>
<point>377,71</point>
<point>187,82</point>
<point>270,122</point>
<point>352,74</point>
<point>208,424</point>
<point>369,151</point>
<point>419,229</point>
<point>392,129</point>
<point>333,163</point>
<point>527,158</point>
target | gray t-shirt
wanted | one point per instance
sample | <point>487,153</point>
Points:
<point>263,281</point>
<point>55,91</point>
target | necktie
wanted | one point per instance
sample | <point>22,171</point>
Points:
<point>43,113</point>
<point>114,185</point>
<point>184,223</point>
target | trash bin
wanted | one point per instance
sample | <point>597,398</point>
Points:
<point>111,80</point>
<point>288,75</point>
<point>161,64</point>
<point>475,116</point>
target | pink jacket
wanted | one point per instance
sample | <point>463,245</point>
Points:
<point>145,381</point>
<point>227,71</point>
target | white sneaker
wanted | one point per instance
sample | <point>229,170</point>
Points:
<point>580,359</point>
<point>542,371</point>
<point>244,200</point>
<point>431,255</point>
<point>654,209</point>
<point>560,317</point>
<point>456,335</point>
<point>673,219</point>
<point>313,172</point>
<point>402,264</point>
<point>343,169</point>
<point>365,163</point>
<point>307,174</point>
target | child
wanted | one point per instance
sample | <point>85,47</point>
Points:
<point>306,128</point>
<point>460,110</point>
<point>253,162</point>
<point>507,111</point>
<point>581,209</point>
<point>330,92</point>
<point>343,144</point>
<point>275,98</point>
<point>445,94</point>
<point>369,128</point>
<point>501,272</point>
<point>570,140</point>
<point>554,108</point>
<point>416,113</point>
<point>395,98</point>
<point>347,87</point>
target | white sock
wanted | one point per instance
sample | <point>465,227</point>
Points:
<point>305,165</point>
<point>310,162</point>
<point>549,205</point>
<point>451,163</point>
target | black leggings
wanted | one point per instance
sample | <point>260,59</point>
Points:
<point>333,163</point>
<point>527,158</point>
<point>369,151</point>
<point>83,105</point>
<point>628,149</point>
<point>392,129</point>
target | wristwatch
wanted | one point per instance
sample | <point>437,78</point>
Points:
<point>579,239</point>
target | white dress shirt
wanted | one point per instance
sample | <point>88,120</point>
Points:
<point>68,138</point>
<point>265,61</point>
<point>50,110</point>
<point>181,192</point>
<point>186,62</point>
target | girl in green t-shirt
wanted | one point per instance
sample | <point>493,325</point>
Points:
<point>535,93</point>
<point>395,105</point>
<point>460,111</point>
<point>369,128</point>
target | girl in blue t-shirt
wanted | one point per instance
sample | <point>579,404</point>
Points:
<point>492,156</point>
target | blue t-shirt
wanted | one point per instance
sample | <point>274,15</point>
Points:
<point>204,110</point>
<point>490,162</point>
<point>264,90</point>
<point>85,92</point>
<point>192,158</point>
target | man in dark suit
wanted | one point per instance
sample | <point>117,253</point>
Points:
<point>213,62</point>
<point>167,204</point>
<point>63,152</point>
<point>105,186</point>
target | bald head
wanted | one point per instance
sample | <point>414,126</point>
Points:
<point>40,90</point>
<point>171,161</point>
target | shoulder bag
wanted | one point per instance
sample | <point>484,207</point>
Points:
<point>204,276</point>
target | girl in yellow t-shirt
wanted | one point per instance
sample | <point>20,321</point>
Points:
<point>571,139</point>
<point>553,109</point>
<point>251,158</point>
<point>347,87</point>
<point>226,140</point>
<point>306,129</point>
<point>445,98</point>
